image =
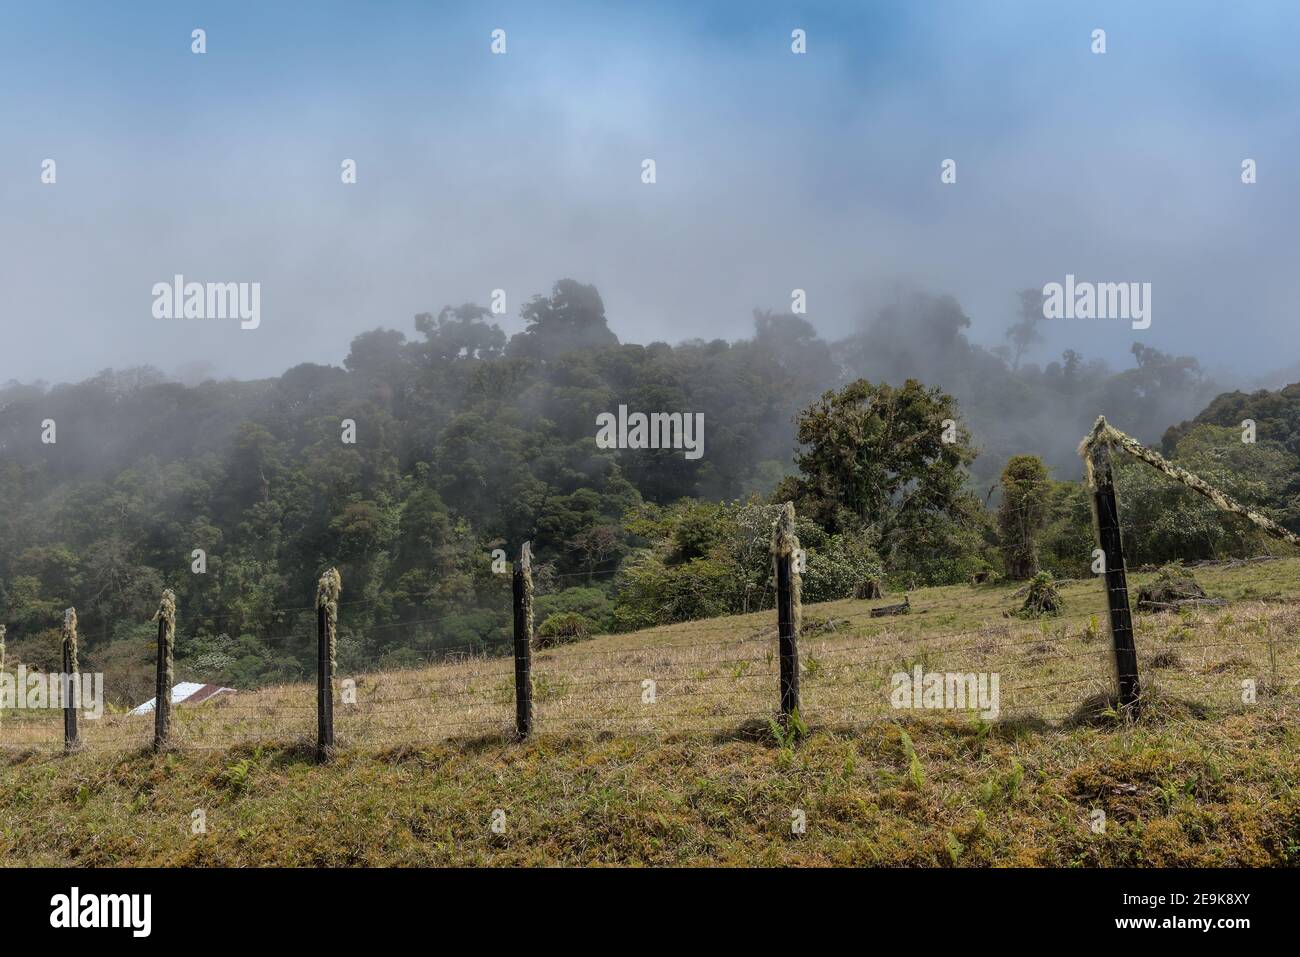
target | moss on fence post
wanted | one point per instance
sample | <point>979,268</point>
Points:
<point>789,610</point>
<point>522,588</point>
<point>71,734</point>
<point>1103,432</point>
<point>785,544</point>
<point>162,702</point>
<point>328,590</point>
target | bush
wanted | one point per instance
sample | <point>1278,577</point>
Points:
<point>1163,521</point>
<point>1172,586</point>
<point>1067,542</point>
<point>941,549</point>
<point>400,659</point>
<point>590,602</point>
<point>482,631</point>
<point>563,627</point>
<point>651,594</point>
<point>1043,598</point>
<point>838,565</point>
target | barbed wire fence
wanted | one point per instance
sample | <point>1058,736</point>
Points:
<point>746,675</point>
<point>724,678</point>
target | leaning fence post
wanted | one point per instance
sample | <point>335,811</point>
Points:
<point>71,737</point>
<point>785,549</point>
<point>523,604</point>
<point>162,702</point>
<point>1105,513</point>
<point>327,618</point>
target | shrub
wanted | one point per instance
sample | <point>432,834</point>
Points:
<point>1172,586</point>
<point>838,565</point>
<point>590,602</point>
<point>651,593</point>
<point>563,627</point>
<point>1043,598</point>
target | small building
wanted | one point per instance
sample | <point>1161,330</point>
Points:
<point>186,692</point>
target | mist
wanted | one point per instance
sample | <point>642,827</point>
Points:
<point>774,172</point>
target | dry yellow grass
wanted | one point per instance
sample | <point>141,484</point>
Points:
<point>427,762</point>
<point>720,675</point>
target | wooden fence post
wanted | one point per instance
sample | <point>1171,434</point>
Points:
<point>162,702</point>
<point>523,604</point>
<point>327,618</point>
<point>71,736</point>
<point>2,666</point>
<point>1105,510</point>
<point>785,550</point>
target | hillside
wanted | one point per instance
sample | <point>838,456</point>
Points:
<point>426,448</point>
<point>698,776</point>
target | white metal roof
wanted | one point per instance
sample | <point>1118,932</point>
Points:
<point>180,692</point>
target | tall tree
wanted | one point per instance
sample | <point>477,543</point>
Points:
<point>875,455</point>
<point>1022,515</point>
<point>1025,332</point>
<point>571,317</point>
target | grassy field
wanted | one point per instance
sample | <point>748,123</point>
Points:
<point>688,770</point>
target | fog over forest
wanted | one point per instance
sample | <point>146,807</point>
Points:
<point>1015,398</point>
<point>775,172</point>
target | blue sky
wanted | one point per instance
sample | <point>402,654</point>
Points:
<point>775,171</point>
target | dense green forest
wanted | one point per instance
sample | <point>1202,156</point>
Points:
<point>467,441</point>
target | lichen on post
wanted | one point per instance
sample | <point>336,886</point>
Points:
<point>69,638</point>
<point>522,588</point>
<point>162,706</point>
<point>785,544</point>
<point>328,590</point>
<point>789,612</point>
<point>1104,433</point>
<point>525,569</point>
<point>1096,452</point>
<point>71,735</point>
